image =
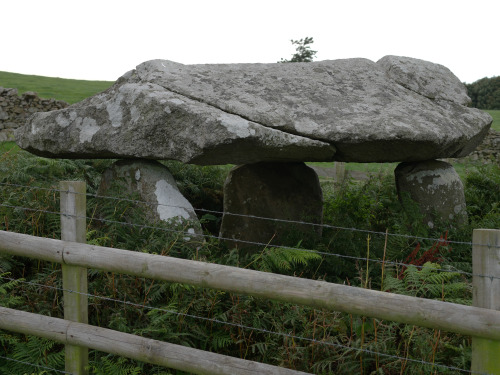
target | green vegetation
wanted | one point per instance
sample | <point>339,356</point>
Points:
<point>69,90</point>
<point>485,93</point>
<point>303,51</point>
<point>10,146</point>
<point>370,205</point>
<point>496,119</point>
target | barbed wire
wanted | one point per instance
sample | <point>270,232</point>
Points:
<point>188,234</point>
<point>367,231</point>
<point>243,326</point>
<point>35,365</point>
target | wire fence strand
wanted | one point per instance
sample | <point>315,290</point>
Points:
<point>365,231</point>
<point>242,326</point>
<point>35,365</point>
<point>246,242</point>
<point>283,334</point>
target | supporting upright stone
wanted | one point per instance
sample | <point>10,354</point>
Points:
<point>436,187</point>
<point>286,191</point>
<point>152,182</point>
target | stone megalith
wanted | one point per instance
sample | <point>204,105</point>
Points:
<point>287,191</point>
<point>398,109</point>
<point>436,187</point>
<point>151,182</point>
<point>352,110</point>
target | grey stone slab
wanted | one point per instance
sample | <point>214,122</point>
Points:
<point>143,120</point>
<point>354,110</point>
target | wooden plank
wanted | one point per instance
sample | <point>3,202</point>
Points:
<point>467,320</point>
<point>486,294</point>
<point>17,244</point>
<point>131,346</point>
<point>73,228</point>
<point>339,170</point>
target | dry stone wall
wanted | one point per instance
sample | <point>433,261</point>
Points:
<point>488,152</point>
<point>15,109</point>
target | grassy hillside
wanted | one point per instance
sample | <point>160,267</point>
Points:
<point>496,119</point>
<point>69,90</point>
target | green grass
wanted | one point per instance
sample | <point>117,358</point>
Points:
<point>8,146</point>
<point>382,169</point>
<point>69,90</point>
<point>496,119</point>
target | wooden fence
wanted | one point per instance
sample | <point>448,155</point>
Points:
<point>481,321</point>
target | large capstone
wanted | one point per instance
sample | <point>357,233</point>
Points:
<point>353,110</point>
<point>437,189</point>
<point>261,199</point>
<point>150,187</point>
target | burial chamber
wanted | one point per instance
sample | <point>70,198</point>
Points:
<point>398,109</point>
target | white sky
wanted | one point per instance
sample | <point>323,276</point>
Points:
<point>101,40</point>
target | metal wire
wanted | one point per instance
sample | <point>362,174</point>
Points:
<point>261,330</point>
<point>35,365</point>
<point>142,226</point>
<point>379,261</point>
<point>250,216</point>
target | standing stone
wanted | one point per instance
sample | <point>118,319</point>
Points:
<point>151,181</point>
<point>288,191</point>
<point>436,187</point>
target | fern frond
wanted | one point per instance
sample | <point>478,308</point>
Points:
<point>277,259</point>
<point>430,282</point>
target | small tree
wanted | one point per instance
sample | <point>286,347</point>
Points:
<point>304,52</point>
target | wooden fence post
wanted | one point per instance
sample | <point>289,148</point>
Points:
<point>73,228</point>
<point>486,294</point>
<point>339,171</point>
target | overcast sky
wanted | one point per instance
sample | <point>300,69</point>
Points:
<point>101,40</point>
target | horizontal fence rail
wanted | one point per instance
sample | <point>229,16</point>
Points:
<point>322,253</point>
<point>246,327</point>
<point>467,320</point>
<point>482,321</point>
<point>132,346</point>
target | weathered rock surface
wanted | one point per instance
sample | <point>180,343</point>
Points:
<point>152,183</point>
<point>433,81</point>
<point>135,119</point>
<point>286,191</point>
<point>398,109</point>
<point>436,187</point>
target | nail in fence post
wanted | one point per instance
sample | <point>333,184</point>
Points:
<point>486,294</point>
<point>73,228</point>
